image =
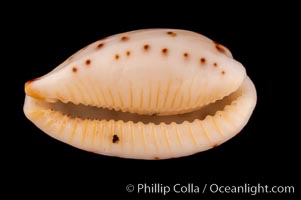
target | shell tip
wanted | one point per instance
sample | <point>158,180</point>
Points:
<point>32,92</point>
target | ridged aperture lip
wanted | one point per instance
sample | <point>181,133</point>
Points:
<point>95,113</point>
<point>142,140</point>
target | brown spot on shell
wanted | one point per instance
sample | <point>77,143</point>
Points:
<point>117,56</point>
<point>115,139</point>
<point>88,62</point>
<point>124,38</point>
<point>223,72</point>
<point>100,45</point>
<point>127,53</point>
<point>146,47</point>
<point>186,55</point>
<point>215,145</point>
<point>172,34</point>
<point>165,51</point>
<point>215,64</point>
<point>74,69</point>
<point>202,60</point>
<point>156,158</point>
<point>219,47</point>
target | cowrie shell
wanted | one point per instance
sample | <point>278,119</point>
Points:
<point>145,94</point>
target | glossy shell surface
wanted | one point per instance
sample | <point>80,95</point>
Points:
<point>146,94</point>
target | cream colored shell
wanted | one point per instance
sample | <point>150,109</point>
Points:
<point>155,77</point>
<point>171,93</point>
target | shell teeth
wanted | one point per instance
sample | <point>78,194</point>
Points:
<point>140,140</point>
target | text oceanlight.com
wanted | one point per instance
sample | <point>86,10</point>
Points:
<point>213,188</point>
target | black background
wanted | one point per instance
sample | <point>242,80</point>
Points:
<point>264,152</point>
